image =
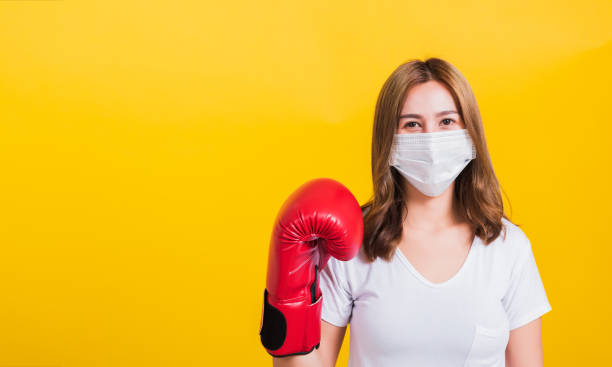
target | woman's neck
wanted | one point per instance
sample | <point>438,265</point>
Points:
<point>430,214</point>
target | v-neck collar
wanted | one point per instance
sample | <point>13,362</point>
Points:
<point>466,263</point>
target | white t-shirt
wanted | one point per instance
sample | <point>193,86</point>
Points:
<point>399,318</point>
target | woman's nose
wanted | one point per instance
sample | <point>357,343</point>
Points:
<point>429,127</point>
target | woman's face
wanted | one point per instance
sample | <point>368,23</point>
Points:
<point>427,108</point>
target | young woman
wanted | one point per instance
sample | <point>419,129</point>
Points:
<point>443,278</point>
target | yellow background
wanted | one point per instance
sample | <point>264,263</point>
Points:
<point>145,148</point>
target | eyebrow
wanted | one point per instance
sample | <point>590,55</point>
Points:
<point>414,115</point>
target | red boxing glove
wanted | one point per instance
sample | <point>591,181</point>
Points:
<point>321,218</point>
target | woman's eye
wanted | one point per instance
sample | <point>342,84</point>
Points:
<point>450,121</point>
<point>410,122</point>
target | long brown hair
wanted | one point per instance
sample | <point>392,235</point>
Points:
<point>477,191</point>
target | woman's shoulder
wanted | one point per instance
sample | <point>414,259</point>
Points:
<point>355,270</point>
<point>511,242</point>
<point>359,261</point>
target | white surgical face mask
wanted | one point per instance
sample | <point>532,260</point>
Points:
<point>431,161</point>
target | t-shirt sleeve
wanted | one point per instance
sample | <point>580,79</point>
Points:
<point>337,300</point>
<point>525,299</point>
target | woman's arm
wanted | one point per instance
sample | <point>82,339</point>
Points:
<point>525,346</point>
<point>325,356</point>
<point>312,359</point>
<point>331,341</point>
